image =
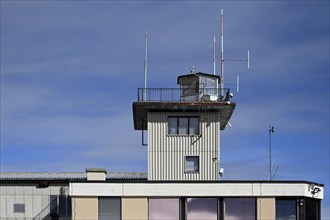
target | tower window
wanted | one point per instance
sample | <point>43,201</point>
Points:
<point>286,209</point>
<point>183,125</point>
<point>19,208</point>
<point>192,164</point>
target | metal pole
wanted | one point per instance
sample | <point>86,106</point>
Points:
<point>214,52</point>
<point>222,63</point>
<point>271,130</point>
<point>145,67</point>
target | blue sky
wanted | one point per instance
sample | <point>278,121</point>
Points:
<point>70,72</point>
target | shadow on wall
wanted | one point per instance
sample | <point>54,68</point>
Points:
<point>59,208</point>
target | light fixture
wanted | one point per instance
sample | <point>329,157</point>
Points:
<point>229,95</point>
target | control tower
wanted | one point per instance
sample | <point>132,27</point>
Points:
<point>183,127</point>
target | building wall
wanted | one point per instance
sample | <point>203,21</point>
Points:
<point>266,208</point>
<point>37,203</point>
<point>211,208</point>
<point>85,208</point>
<point>166,153</point>
<point>200,189</point>
<point>134,208</point>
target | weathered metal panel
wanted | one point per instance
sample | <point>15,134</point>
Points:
<point>166,153</point>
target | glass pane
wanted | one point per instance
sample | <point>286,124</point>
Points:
<point>286,209</point>
<point>19,208</point>
<point>183,125</point>
<point>192,163</point>
<point>53,204</point>
<point>172,125</point>
<point>202,208</point>
<point>164,209</point>
<point>210,83</point>
<point>194,125</point>
<point>62,204</point>
<point>239,209</point>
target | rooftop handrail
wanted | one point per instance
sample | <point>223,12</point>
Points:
<point>179,94</point>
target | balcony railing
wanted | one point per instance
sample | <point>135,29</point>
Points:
<point>180,94</point>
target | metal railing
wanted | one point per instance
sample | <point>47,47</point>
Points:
<point>180,94</point>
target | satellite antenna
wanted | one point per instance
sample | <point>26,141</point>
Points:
<point>222,60</point>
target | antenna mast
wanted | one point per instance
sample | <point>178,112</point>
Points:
<point>271,130</point>
<point>222,57</point>
<point>214,53</point>
<point>145,67</point>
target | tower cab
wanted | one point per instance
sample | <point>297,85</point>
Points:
<point>199,87</point>
<point>183,128</point>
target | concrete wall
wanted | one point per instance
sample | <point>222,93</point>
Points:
<point>166,153</point>
<point>134,208</point>
<point>85,208</point>
<point>215,189</point>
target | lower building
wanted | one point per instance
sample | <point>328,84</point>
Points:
<point>130,196</point>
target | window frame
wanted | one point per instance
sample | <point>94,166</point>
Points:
<point>189,128</point>
<point>19,208</point>
<point>198,165</point>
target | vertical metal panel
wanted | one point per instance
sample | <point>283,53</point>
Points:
<point>109,209</point>
<point>166,153</point>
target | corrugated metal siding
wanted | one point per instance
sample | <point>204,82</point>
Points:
<point>166,153</point>
<point>66,176</point>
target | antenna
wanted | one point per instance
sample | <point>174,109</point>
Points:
<point>271,130</point>
<point>248,59</point>
<point>237,83</point>
<point>222,63</point>
<point>145,67</point>
<point>214,53</point>
<point>144,95</point>
<point>222,57</point>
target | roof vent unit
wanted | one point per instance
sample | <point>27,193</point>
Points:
<point>96,174</point>
<point>199,87</point>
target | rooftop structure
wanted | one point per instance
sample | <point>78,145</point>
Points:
<point>183,127</point>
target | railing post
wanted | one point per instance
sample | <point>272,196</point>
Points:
<point>138,94</point>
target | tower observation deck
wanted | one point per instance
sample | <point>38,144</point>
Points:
<point>197,92</point>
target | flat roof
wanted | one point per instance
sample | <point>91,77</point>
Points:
<point>141,109</point>
<point>140,177</point>
<point>197,75</point>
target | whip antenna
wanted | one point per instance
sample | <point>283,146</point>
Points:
<point>145,67</point>
<point>222,61</point>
